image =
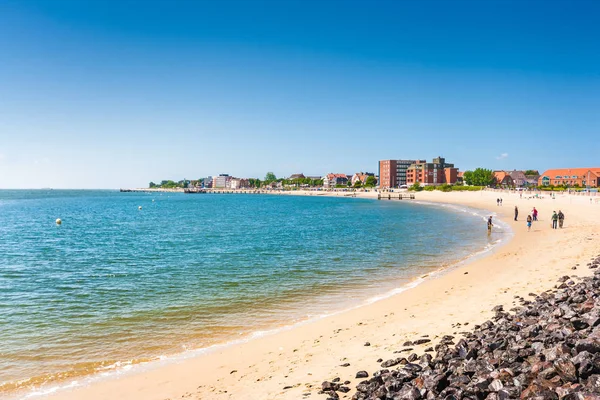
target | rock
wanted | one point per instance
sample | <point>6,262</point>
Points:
<point>546,348</point>
<point>345,365</point>
<point>566,369</point>
<point>329,386</point>
<point>367,344</point>
<point>495,385</point>
<point>421,341</point>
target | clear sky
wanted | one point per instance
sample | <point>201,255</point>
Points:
<point>108,94</point>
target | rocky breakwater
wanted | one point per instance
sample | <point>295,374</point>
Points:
<point>547,347</point>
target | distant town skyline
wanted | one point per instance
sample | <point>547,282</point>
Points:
<point>98,94</point>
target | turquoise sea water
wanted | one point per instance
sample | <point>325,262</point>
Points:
<point>115,285</point>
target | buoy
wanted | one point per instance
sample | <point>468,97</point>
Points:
<point>140,207</point>
<point>58,221</point>
<point>153,200</point>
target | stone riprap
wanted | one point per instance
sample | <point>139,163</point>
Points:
<point>546,348</point>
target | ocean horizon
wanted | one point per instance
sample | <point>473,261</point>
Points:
<point>129,278</point>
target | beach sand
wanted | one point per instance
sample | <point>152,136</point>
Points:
<point>291,364</point>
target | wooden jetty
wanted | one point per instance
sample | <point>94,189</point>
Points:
<point>393,196</point>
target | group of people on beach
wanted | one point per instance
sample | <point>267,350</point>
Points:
<point>558,219</point>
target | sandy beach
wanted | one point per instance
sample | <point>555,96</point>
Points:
<point>291,364</point>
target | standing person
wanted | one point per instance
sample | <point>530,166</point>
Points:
<point>516,212</point>
<point>529,219</point>
<point>498,201</point>
<point>489,225</point>
<point>534,213</point>
<point>554,219</point>
<point>561,219</point>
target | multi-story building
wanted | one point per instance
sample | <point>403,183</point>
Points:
<point>436,172</point>
<point>582,177</point>
<point>220,182</point>
<point>392,173</point>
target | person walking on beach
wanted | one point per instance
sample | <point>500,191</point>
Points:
<point>489,225</point>
<point>561,219</point>
<point>529,219</point>
<point>534,213</point>
<point>516,212</point>
<point>498,201</point>
<point>554,219</point>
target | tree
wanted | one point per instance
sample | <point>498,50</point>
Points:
<point>270,177</point>
<point>358,183</point>
<point>415,187</point>
<point>152,185</point>
<point>531,172</point>
<point>371,181</point>
<point>479,177</point>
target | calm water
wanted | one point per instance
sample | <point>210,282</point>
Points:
<point>115,285</point>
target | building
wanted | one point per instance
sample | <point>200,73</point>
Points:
<point>532,179</point>
<point>360,176</point>
<point>332,180</point>
<point>519,178</point>
<point>436,172</point>
<point>392,173</point>
<point>503,179</point>
<point>221,181</point>
<point>296,176</point>
<point>581,177</point>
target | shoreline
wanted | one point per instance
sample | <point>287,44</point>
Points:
<point>267,365</point>
<point>403,284</point>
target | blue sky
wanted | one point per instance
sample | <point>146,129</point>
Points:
<point>108,94</point>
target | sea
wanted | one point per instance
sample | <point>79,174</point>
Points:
<point>131,279</point>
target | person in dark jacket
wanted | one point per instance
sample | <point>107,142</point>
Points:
<point>561,219</point>
<point>516,212</point>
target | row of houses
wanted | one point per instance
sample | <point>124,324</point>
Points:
<point>331,180</point>
<point>570,177</point>
<point>516,179</point>
<point>223,181</point>
<point>402,173</point>
<point>574,177</point>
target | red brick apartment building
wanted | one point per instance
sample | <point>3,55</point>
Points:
<point>433,173</point>
<point>571,177</point>
<point>392,173</point>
